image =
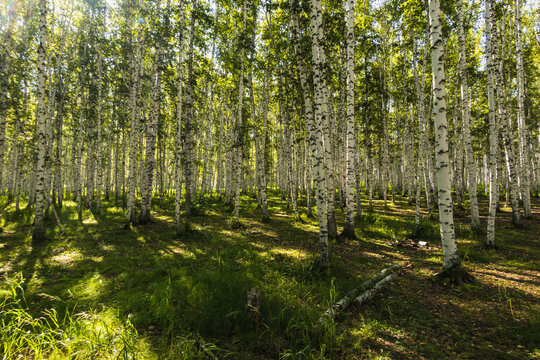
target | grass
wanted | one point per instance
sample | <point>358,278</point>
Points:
<point>99,291</point>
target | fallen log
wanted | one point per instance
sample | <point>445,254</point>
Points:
<point>362,289</point>
<point>366,296</point>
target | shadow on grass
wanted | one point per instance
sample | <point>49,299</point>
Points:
<point>168,286</point>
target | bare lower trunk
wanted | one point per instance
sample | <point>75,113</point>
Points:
<point>178,137</point>
<point>522,124</point>
<point>320,113</point>
<point>466,115</point>
<point>493,134</point>
<point>446,218</point>
<point>39,227</point>
<point>239,134</point>
<point>188,145</point>
<point>151,130</point>
<point>136,69</point>
<point>348,230</point>
<point>504,120</point>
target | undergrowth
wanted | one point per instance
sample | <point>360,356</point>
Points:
<point>49,334</point>
<point>102,292</point>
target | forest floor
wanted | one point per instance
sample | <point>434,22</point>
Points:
<point>100,291</point>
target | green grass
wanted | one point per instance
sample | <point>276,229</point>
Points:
<point>99,291</point>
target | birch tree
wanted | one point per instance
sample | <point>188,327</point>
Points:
<point>136,65</point>
<point>522,125</point>
<point>451,261</point>
<point>178,137</point>
<point>348,230</point>
<point>152,127</point>
<point>238,152</point>
<point>188,144</point>
<point>493,132</point>
<point>39,226</point>
<point>466,115</point>
<point>320,114</point>
<point>503,119</point>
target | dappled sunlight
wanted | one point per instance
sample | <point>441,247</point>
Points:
<point>91,287</point>
<point>291,253</point>
<point>66,258</point>
<point>179,250</point>
<point>106,247</point>
<point>164,284</point>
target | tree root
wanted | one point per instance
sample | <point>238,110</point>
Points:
<point>347,233</point>
<point>477,229</point>
<point>457,275</point>
<point>237,224</point>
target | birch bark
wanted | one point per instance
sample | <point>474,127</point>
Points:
<point>188,145</point>
<point>446,218</point>
<point>504,120</point>
<point>178,137</point>
<point>152,127</point>
<point>239,134</point>
<point>348,229</point>
<point>320,113</point>
<point>39,227</point>
<point>4,83</point>
<point>260,144</point>
<point>306,91</point>
<point>522,125</point>
<point>135,92</point>
<point>99,145</point>
<point>466,115</point>
<point>493,133</point>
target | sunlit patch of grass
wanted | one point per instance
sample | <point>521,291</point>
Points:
<point>90,287</point>
<point>372,255</point>
<point>116,210</point>
<point>180,250</point>
<point>67,258</point>
<point>175,290</point>
<point>55,335</point>
<point>106,247</point>
<point>290,253</point>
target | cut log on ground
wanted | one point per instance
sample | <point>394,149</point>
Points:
<point>362,289</point>
<point>368,295</point>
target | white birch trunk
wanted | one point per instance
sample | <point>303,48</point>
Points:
<point>151,130</point>
<point>320,113</point>
<point>446,218</point>
<point>219,159</point>
<point>178,137</point>
<point>348,229</point>
<point>504,121</point>
<point>466,116</point>
<point>39,227</point>
<point>522,124</point>
<point>135,108</point>
<point>4,84</point>
<point>99,145</point>
<point>239,134</point>
<point>420,169</point>
<point>188,145</point>
<point>327,104</point>
<point>260,144</point>
<point>310,124</point>
<point>493,132</point>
